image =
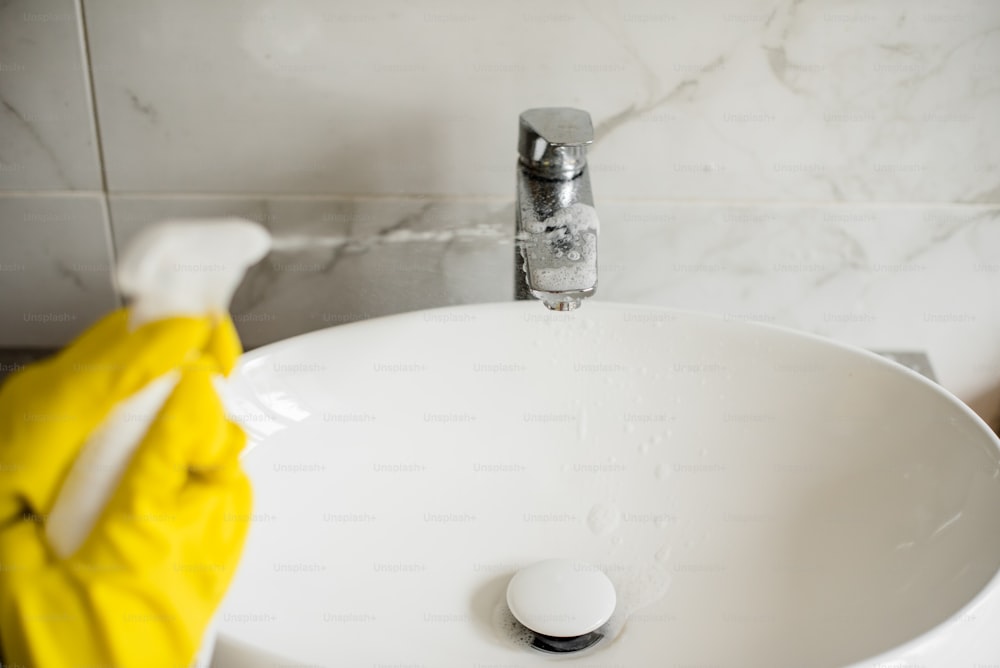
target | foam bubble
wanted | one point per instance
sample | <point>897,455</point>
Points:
<point>639,588</point>
<point>570,232</point>
<point>564,279</point>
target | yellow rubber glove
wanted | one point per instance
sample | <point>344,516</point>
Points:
<point>142,587</point>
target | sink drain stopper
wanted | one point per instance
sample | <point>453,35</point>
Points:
<point>564,603</point>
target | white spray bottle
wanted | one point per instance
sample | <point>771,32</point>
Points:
<point>174,268</point>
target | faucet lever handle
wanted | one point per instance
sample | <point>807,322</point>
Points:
<point>552,141</point>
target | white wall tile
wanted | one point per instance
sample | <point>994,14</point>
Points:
<point>727,99</point>
<point>47,137</point>
<point>55,268</point>
<point>878,277</point>
<point>341,260</point>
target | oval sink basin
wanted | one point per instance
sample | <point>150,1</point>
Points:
<point>759,497</point>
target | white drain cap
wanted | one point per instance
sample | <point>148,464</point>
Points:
<point>562,598</point>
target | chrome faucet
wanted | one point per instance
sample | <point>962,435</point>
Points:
<point>556,251</point>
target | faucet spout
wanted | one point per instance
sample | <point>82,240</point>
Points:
<point>557,226</point>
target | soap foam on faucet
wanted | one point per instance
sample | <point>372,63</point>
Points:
<point>576,218</point>
<point>575,226</point>
<point>562,279</point>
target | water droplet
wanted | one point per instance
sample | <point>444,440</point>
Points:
<point>630,428</point>
<point>662,471</point>
<point>603,519</point>
<point>663,553</point>
<point>573,255</point>
<point>617,540</point>
<point>643,448</point>
<point>658,438</point>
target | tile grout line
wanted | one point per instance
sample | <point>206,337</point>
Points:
<point>487,198</point>
<point>499,199</point>
<point>96,123</point>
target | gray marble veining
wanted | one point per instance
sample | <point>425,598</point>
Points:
<point>733,101</point>
<point>55,268</point>
<point>47,135</point>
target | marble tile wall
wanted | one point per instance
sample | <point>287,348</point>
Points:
<point>55,238</point>
<point>831,165</point>
<point>731,99</point>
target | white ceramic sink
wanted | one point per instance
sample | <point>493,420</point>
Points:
<point>760,497</point>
